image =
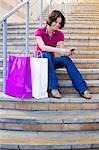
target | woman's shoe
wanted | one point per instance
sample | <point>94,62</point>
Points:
<point>86,94</point>
<point>55,93</point>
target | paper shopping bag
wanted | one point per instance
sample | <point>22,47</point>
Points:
<point>39,75</point>
<point>18,82</point>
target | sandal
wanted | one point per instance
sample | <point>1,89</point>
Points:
<point>86,95</point>
<point>55,94</point>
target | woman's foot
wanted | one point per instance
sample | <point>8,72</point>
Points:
<point>55,93</point>
<point>86,94</point>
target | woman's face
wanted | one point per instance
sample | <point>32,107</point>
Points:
<point>56,24</point>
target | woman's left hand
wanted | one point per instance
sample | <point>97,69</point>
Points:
<point>69,53</point>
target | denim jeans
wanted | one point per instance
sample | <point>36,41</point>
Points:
<point>59,62</point>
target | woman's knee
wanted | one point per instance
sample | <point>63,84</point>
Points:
<point>66,60</point>
<point>47,54</point>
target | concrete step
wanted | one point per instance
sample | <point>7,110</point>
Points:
<point>78,54</point>
<point>82,22</point>
<point>67,26</point>
<point>69,90</point>
<point>66,87</point>
<point>69,36</point>
<point>85,56</point>
<point>87,7</point>
<point>73,43</point>
<point>65,83</point>
<point>68,102</point>
<point>86,64</point>
<point>74,29</point>
<point>77,11</point>
<point>22,34</point>
<point>12,49</point>
<point>88,74</point>
<point>75,120</point>
<point>36,23</point>
<point>84,16</point>
<point>81,63</point>
<point>69,43</point>
<point>75,14</point>
<point>49,140</point>
<point>83,19</point>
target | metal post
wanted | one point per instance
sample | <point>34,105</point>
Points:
<point>4,54</point>
<point>27,27</point>
<point>50,6</point>
<point>41,7</point>
<point>62,6</point>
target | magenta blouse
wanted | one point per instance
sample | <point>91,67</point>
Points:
<point>50,41</point>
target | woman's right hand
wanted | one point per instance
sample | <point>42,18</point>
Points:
<point>65,52</point>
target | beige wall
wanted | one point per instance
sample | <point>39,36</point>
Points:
<point>35,8</point>
<point>6,6</point>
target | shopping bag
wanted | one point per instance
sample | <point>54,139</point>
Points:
<point>39,75</point>
<point>18,82</point>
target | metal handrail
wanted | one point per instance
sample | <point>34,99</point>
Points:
<point>3,20</point>
<point>13,11</point>
<point>41,9</point>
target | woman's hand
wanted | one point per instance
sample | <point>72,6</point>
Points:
<point>65,52</point>
<point>68,53</point>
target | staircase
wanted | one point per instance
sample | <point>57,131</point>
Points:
<point>52,124</point>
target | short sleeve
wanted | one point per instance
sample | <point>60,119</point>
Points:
<point>61,36</point>
<point>38,32</point>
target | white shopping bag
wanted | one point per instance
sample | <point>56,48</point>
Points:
<point>39,75</point>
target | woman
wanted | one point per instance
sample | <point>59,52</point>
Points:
<point>48,37</point>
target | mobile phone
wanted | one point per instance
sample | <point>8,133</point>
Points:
<point>72,49</point>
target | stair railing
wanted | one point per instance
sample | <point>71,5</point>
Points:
<point>3,20</point>
<point>41,10</point>
<point>63,6</point>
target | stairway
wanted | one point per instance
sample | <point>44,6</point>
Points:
<point>52,124</point>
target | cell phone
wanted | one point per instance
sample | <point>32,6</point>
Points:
<point>72,49</point>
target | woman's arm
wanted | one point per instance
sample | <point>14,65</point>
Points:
<point>61,45</point>
<point>44,47</point>
<point>59,50</point>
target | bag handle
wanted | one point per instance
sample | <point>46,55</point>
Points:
<point>38,54</point>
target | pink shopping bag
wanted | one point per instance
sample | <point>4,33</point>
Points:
<point>18,82</point>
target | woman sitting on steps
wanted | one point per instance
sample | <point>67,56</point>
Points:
<point>47,39</point>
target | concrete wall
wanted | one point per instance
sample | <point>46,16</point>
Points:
<point>35,8</point>
<point>6,6</point>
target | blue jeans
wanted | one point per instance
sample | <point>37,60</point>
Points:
<point>59,62</point>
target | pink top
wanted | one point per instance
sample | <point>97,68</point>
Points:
<point>50,41</point>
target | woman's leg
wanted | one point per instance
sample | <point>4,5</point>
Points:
<point>78,82</point>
